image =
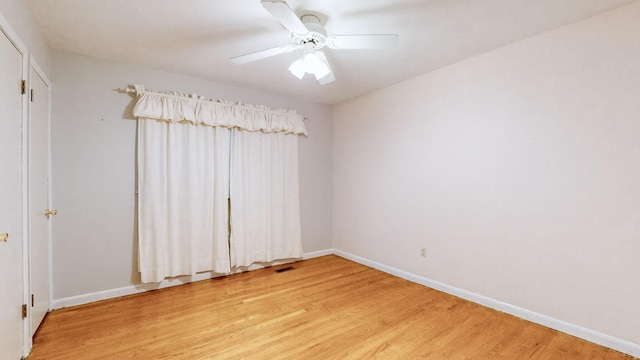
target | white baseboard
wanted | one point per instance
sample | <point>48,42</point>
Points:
<point>611,342</point>
<point>316,254</point>
<point>135,289</point>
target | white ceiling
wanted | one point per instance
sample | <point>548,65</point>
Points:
<point>197,37</point>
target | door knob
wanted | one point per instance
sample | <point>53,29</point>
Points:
<point>48,213</point>
<point>4,237</point>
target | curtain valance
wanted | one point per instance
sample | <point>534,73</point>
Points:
<point>177,107</point>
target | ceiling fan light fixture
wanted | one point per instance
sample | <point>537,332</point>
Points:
<point>314,65</point>
<point>311,63</point>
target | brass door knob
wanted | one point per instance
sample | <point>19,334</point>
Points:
<point>48,213</point>
<point>4,237</point>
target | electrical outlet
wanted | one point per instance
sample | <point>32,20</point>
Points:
<point>423,252</point>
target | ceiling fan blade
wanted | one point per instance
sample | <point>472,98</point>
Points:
<point>374,41</point>
<point>285,15</point>
<point>258,55</point>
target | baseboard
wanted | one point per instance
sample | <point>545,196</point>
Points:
<point>316,254</point>
<point>136,289</point>
<point>611,342</point>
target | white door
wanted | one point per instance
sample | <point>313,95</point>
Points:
<point>11,280</point>
<point>38,198</point>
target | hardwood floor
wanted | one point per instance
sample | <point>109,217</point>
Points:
<point>325,308</point>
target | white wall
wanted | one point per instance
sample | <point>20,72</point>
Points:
<point>518,170</point>
<point>94,164</point>
<point>18,14</point>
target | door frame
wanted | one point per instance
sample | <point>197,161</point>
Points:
<point>33,64</point>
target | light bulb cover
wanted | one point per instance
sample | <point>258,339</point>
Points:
<point>297,69</point>
<point>323,68</point>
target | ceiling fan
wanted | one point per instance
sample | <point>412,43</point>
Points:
<point>310,36</point>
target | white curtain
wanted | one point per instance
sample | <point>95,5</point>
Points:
<point>265,203</point>
<point>182,199</point>
<point>184,179</point>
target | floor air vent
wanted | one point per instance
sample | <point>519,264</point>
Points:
<point>285,269</point>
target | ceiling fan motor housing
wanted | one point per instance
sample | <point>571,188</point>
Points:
<point>317,35</point>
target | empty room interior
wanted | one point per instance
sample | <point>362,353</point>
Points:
<point>300,179</point>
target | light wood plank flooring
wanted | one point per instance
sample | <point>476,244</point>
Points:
<point>325,308</point>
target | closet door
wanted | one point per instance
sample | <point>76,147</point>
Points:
<point>39,207</point>
<point>11,271</point>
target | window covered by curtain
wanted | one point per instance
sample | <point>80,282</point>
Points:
<point>265,203</point>
<point>185,144</point>
<point>182,199</point>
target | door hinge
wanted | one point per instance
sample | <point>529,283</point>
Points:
<point>31,95</point>
<point>24,311</point>
<point>33,300</point>
<point>24,87</point>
